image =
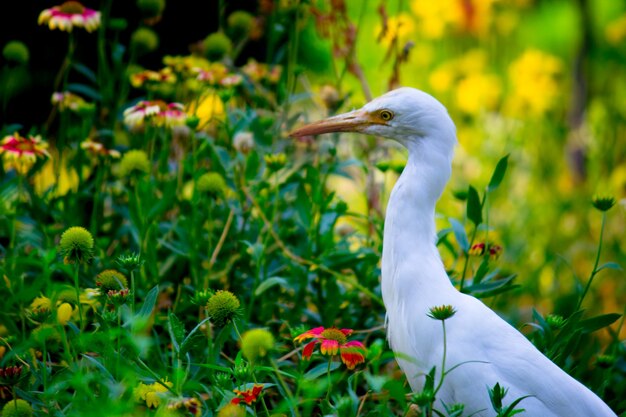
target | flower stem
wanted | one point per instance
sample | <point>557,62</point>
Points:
<point>77,288</point>
<point>330,361</point>
<point>443,360</point>
<point>595,265</point>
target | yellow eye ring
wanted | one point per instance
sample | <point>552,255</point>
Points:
<point>386,115</point>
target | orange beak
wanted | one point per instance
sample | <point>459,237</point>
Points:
<point>355,121</point>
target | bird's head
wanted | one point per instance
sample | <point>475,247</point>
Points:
<point>406,115</point>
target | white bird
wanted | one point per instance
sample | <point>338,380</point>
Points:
<point>414,278</point>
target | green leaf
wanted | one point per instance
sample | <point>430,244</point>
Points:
<point>148,305</point>
<point>482,271</point>
<point>85,90</point>
<point>609,265</point>
<point>320,370</point>
<point>598,322</point>
<point>252,165</point>
<point>459,234</point>
<point>498,174</point>
<point>474,208</point>
<point>87,72</point>
<point>270,282</point>
<point>176,330</point>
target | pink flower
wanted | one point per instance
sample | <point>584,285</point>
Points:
<point>69,15</point>
<point>155,112</point>
<point>98,149</point>
<point>333,341</point>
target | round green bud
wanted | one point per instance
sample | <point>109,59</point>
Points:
<point>222,307</point>
<point>256,343</point>
<point>192,122</point>
<point>76,245</point>
<point>66,295</point>
<point>212,183</point>
<point>144,41</point>
<point>240,24</point>
<point>216,46</point>
<point>134,162</point>
<point>151,8</point>
<point>16,52</point>
<point>17,408</point>
<point>232,410</point>
<point>111,280</point>
<point>47,335</point>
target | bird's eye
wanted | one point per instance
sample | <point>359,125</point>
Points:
<point>386,115</point>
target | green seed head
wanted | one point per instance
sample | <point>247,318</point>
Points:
<point>223,307</point>
<point>604,203</point>
<point>256,343</point>
<point>442,313</point>
<point>216,46</point>
<point>76,245</point>
<point>144,41</point>
<point>151,8</point>
<point>212,183</point>
<point>17,408</point>
<point>16,52</point>
<point>111,280</point>
<point>240,24</point>
<point>134,162</point>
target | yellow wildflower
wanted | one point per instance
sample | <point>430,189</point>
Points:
<point>399,27</point>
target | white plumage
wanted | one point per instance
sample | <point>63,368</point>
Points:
<point>414,279</point>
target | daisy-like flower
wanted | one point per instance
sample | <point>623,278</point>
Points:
<point>148,77</point>
<point>152,394</point>
<point>212,75</point>
<point>69,15</point>
<point>333,341</point>
<point>66,100</point>
<point>21,153</point>
<point>248,396</point>
<point>155,112</point>
<point>97,149</point>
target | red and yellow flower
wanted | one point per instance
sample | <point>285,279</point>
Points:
<point>248,396</point>
<point>333,341</point>
<point>69,15</point>
<point>155,112</point>
<point>98,149</point>
<point>21,153</point>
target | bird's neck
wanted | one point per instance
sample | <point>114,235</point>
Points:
<point>412,266</point>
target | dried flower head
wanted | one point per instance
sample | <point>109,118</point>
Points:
<point>333,341</point>
<point>243,142</point>
<point>442,312</point>
<point>212,183</point>
<point>604,203</point>
<point>21,153</point>
<point>10,375</point>
<point>223,307</point>
<point>17,408</point>
<point>256,343</point>
<point>69,15</point>
<point>76,245</point>
<point>111,280</point>
<point>16,52</point>
<point>134,162</point>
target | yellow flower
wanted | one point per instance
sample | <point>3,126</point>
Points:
<point>209,109</point>
<point>399,27</point>
<point>477,93</point>
<point>615,31</point>
<point>151,394</point>
<point>64,313</point>
<point>535,81</point>
<point>69,15</point>
<point>435,17</point>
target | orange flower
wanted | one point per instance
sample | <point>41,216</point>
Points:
<point>333,341</point>
<point>248,396</point>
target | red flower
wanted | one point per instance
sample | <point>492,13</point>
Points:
<point>22,153</point>
<point>248,396</point>
<point>333,341</point>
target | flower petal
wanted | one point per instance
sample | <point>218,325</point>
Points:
<point>309,334</point>
<point>329,347</point>
<point>308,350</point>
<point>353,353</point>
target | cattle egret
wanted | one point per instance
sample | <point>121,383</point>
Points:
<point>489,350</point>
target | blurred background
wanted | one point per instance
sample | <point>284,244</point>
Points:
<point>543,81</point>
